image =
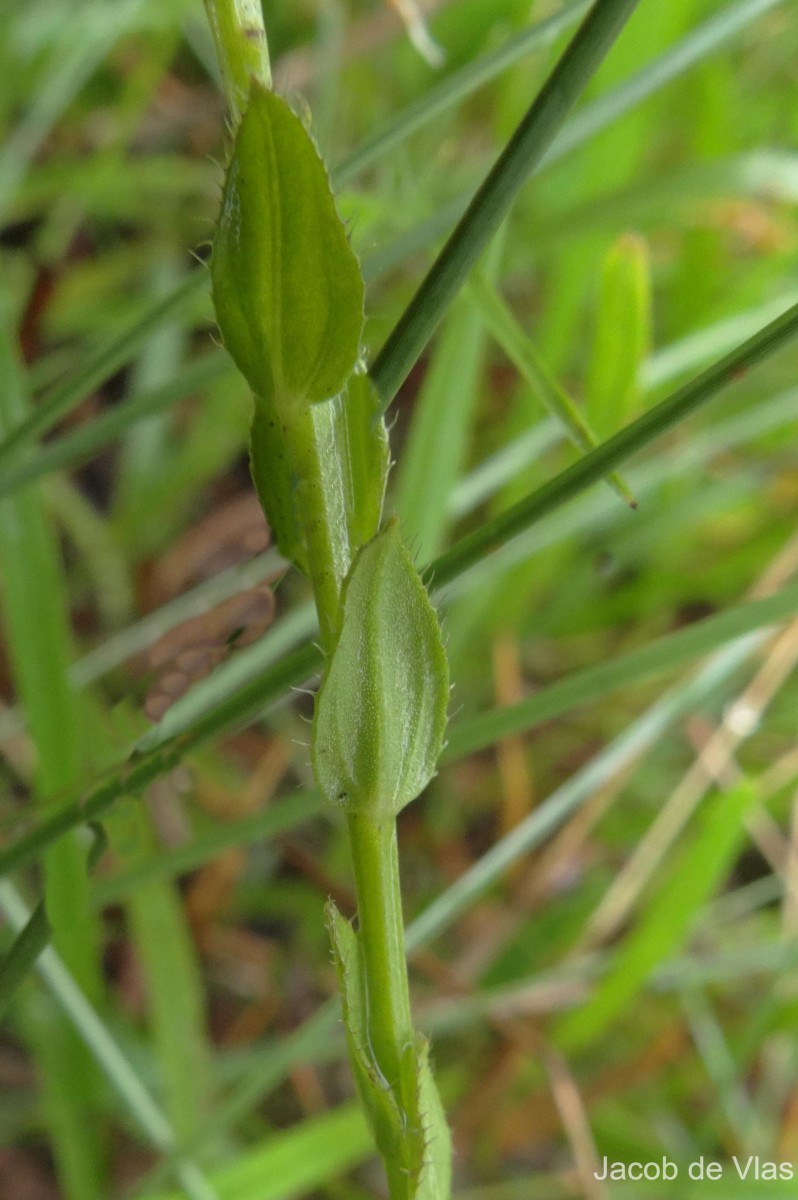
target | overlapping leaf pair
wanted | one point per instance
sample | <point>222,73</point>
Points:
<point>289,301</point>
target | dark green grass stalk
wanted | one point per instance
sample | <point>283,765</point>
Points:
<point>495,197</point>
<point>36,619</point>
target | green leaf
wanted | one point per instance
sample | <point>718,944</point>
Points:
<point>437,439</point>
<point>621,337</point>
<point>21,958</point>
<point>171,974</point>
<point>286,284</point>
<point>435,1179</point>
<point>276,483</point>
<point>412,1136</point>
<point>381,710</point>
<point>378,1099</point>
<point>295,1162</point>
<point>668,918</point>
<point>363,445</point>
<point>522,353</point>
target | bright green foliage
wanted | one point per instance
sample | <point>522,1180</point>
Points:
<point>435,448</point>
<point>668,917</point>
<point>381,711</point>
<point>521,351</point>
<point>287,286</point>
<point>362,441</point>
<point>595,606</point>
<point>36,625</point>
<point>171,975</point>
<point>289,301</point>
<point>407,1118</point>
<point>293,1162</point>
<point>275,480</point>
<point>622,336</point>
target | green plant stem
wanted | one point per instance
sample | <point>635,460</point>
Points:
<point>495,197</point>
<point>307,430</point>
<point>382,941</point>
<point>241,46</point>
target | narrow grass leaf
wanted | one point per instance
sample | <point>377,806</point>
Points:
<point>436,443</point>
<point>696,46</point>
<point>99,368</point>
<point>494,198</point>
<point>667,919</point>
<point>71,62</point>
<point>621,336</point>
<point>38,639</point>
<point>181,860</point>
<point>458,87</point>
<point>624,750</point>
<point>667,654</point>
<point>626,442</point>
<point>297,1161</point>
<point>20,959</point>
<point>96,1037</point>
<point>522,353</point>
<point>175,996</point>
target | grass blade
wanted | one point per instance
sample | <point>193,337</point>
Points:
<point>457,87</point>
<point>667,919</point>
<point>442,417</point>
<point>38,639</point>
<point>21,958</point>
<point>297,1161</point>
<point>167,864</point>
<point>494,198</point>
<point>96,1037</point>
<point>628,441</point>
<point>519,349</point>
<point>638,737</point>
<point>77,447</point>
<point>685,55</point>
<point>585,687</point>
<point>175,998</point>
<point>621,336</point>
<point>100,367</point>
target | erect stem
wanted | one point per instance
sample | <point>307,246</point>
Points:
<point>241,46</point>
<point>310,432</point>
<point>382,944</point>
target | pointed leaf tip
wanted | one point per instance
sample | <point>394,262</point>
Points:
<point>381,711</point>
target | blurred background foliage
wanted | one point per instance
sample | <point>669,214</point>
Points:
<point>622,981</point>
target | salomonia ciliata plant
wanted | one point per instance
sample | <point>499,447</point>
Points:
<point>289,299</point>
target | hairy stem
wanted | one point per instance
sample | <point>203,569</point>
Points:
<point>382,942</point>
<point>310,431</point>
<point>241,46</point>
